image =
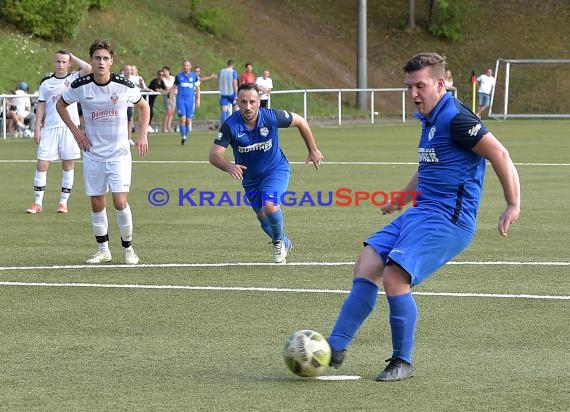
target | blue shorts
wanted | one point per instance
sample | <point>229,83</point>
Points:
<point>420,241</point>
<point>185,107</point>
<point>227,100</point>
<point>484,99</point>
<point>270,187</point>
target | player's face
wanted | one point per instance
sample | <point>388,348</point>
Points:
<point>425,91</point>
<point>101,62</point>
<point>187,66</point>
<point>62,62</point>
<point>248,103</point>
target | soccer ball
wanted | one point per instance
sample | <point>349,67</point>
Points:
<point>307,353</point>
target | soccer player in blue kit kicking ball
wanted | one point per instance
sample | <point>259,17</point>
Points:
<point>260,164</point>
<point>453,149</point>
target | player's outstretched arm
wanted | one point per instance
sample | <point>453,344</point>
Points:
<point>490,148</point>
<point>315,155</point>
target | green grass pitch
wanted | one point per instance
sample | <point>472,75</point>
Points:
<point>200,325</point>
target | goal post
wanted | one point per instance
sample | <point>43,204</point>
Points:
<point>531,88</point>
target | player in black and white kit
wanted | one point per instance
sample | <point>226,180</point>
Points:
<point>104,97</point>
<point>53,137</point>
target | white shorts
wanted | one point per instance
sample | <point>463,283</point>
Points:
<point>98,176</point>
<point>58,143</point>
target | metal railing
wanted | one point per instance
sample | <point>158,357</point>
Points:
<point>372,111</point>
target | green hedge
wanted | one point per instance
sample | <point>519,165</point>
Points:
<point>48,19</point>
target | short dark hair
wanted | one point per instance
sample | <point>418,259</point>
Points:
<point>434,61</point>
<point>248,86</point>
<point>101,44</point>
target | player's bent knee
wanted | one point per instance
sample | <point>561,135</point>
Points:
<point>369,265</point>
<point>396,281</point>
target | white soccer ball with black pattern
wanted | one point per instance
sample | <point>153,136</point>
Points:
<point>307,353</point>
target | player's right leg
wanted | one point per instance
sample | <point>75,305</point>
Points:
<point>358,305</point>
<point>69,151</point>
<point>47,152</point>
<point>95,182</point>
<point>40,180</point>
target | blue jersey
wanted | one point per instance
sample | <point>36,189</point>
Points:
<point>257,149</point>
<point>186,84</point>
<point>450,174</point>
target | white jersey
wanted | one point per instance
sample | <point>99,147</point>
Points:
<point>104,109</point>
<point>267,83</point>
<point>23,103</point>
<point>51,89</point>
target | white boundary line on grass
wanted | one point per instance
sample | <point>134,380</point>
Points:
<point>261,289</point>
<point>229,264</point>
<point>294,163</point>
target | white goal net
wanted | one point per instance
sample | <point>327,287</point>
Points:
<point>531,88</point>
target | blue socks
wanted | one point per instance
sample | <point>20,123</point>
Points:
<point>355,309</point>
<point>183,130</point>
<point>403,316</point>
<point>265,225</point>
<point>275,221</point>
<point>360,303</point>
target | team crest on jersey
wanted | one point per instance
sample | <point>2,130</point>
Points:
<point>114,98</point>
<point>264,131</point>
<point>431,133</point>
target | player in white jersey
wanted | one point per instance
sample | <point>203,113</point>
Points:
<point>104,97</point>
<point>54,139</point>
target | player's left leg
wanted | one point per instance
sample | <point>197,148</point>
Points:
<point>119,176</point>
<point>271,190</point>
<point>182,109</point>
<point>426,242</point>
<point>40,181</point>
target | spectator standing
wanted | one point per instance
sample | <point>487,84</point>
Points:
<point>198,70</point>
<point>127,72</point>
<point>261,165</point>
<point>156,85</point>
<point>248,76</point>
<point>449,82</point>
<point>139,82</point>
<point>169,99</point>
<point>453,148</point>
<point>187,99</point>
<point>486,85</point>
<point>55,140</point>
<point>265,85</point>
<point>107,157</point>
<point>228,86</point>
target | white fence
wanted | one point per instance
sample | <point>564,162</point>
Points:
<point>372,111</point>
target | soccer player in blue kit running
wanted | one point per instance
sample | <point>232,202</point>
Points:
<point>453,149</point>
<point>187,90</point>
<point>260,164</point>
